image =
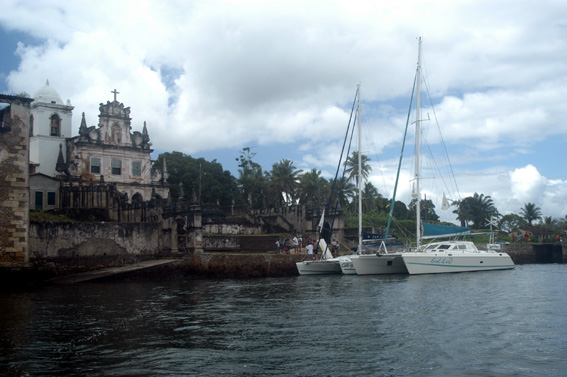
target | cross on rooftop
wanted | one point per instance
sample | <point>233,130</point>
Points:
<point>115,93</point>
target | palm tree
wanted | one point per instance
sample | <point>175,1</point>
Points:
<point>531,213</point>
<point>284,179</point>
<point>312,189</point>
<point>352,167</point>
<point>476,208</point>
<point>371,198</point>
<point>345,191</point>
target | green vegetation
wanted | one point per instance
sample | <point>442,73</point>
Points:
<point>283,185</point>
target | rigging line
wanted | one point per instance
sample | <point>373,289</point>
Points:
<point>339,165</point>
<point>433,163</point>
<point>343,149</point>
<point>441,135</point>
<point>342,181</point>
<point>327,207</point>
<point>400,163</point>
<point>370,140</point>
<point>436,166</point>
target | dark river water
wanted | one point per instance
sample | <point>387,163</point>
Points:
<point>498,323</point>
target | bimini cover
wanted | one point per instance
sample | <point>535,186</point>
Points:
<point>435,231</point>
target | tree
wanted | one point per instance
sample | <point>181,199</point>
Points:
<point>400,210</point>
<point>371,198</point>
<point>352,167</point>
<point>345,191</point>
<point>284,181</point>
<point>313,190</point>
<point>510,223</point>
<point>476,209</point>
<point>251,182</point>
<point>427,210</point>
<point>531,213</point>
<point>198,176</point>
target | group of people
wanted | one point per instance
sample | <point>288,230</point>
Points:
<point>290,248</point>
<point>521,238</point>
<point>295,246</point>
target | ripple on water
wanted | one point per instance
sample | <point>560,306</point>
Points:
<point>508,323</point>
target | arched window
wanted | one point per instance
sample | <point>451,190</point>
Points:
<point>31,125</point>
<point>137,198</point>
<point>55,125</point>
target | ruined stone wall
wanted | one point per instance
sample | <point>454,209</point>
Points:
<point>240,243</point>
<point>71,243</point>
<point>106,196</point>
<point>14,179</point>
<point>231,228</point>
<point>291,219</point>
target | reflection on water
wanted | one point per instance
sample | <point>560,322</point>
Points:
<point>509,323</point>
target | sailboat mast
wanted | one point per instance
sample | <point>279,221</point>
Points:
<point>359,178</point>
<point>417,148</point>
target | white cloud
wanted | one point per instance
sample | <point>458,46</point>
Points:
<point>207,75</point>
<point>527,184</point>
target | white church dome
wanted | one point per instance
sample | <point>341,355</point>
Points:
<point>47,95</point>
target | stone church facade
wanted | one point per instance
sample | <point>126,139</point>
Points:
<point>109,153</point>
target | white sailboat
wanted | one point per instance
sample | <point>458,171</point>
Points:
<point>329,264</point>
<point>324,266</point>
<point>444,256</point>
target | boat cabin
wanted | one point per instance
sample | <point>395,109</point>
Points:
<point>450,246</point>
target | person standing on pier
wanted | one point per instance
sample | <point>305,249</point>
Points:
<point>310,250</point>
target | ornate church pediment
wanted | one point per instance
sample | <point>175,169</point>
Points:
<point>114,109</point>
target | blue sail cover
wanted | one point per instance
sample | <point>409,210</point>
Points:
<point>434,231</point>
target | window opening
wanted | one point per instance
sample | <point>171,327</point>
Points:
<point>95,165</point>
<point>55,124</point>
<point>116,167</point>
<point>137,169</point>
<point>51,198</point>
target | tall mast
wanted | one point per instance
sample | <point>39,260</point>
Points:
<point>417,148</point>
<point>359,178</point>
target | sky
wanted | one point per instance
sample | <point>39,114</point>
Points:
<point>212,77</point>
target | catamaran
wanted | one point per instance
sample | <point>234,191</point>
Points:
<point>434,257</point>
<point>328,264</point>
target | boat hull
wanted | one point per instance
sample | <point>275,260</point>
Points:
<point>428,263</point>
<point>372,264</point>
<point>347,267</point>
<point>322,267</point>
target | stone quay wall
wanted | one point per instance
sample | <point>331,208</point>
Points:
<point>236,266</point>
<point>526,253</point>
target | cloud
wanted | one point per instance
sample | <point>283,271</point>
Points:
<point>527,184</point>
<point>218,75</point>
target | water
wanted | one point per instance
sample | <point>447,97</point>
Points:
<point>498,323</point>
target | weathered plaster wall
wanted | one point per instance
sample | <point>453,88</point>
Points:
<point>71,242</point>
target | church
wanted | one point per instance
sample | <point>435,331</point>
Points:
<point>109,153</point>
